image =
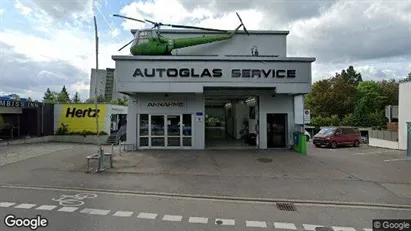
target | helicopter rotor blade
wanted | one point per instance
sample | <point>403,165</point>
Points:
<point>126,45</point>
<point>196,27</point>
<point>134,19</point>
<point>241,21</point>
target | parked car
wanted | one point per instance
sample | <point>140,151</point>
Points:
<point>337,136</point>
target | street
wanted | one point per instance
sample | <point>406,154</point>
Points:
<point>342,189</point>
<point>115,211</point>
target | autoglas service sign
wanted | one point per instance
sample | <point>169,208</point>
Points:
<point>213,73</point>
<point>82,117</point>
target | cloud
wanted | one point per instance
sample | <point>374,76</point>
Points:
<point>67,8</point>
<point>22,8</point>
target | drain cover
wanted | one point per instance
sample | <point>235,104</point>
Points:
<point>324,229</point>
<point>265,160</point>
<point>286,206</point>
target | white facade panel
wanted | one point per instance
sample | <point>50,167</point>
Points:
<point>404,113</point>
<point>299,109</point>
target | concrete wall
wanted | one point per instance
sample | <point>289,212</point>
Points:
<point>383,143</point>
<point>278,104</point>
<point>267,43</point>
<point>55,138</point>
<point>192,103</point>
<point>404,113</point>
<point>383,135</point>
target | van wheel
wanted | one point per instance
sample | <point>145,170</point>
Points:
<point>334,144</point>
<point>356,143</point>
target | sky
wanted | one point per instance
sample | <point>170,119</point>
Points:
<point>50,43</point>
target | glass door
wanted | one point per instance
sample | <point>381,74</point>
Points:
<point>165,130</point>
<point>157,133</point>
<point>173,130</point>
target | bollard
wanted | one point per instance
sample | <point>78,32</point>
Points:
<point>112,149</point>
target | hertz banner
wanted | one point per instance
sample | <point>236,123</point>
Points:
<point>80,117</point>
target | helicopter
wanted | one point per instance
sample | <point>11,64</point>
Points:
<point>151,42</point>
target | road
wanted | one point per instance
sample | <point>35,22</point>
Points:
<point>115,211</point>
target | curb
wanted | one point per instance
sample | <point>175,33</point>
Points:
<point>209,197</point>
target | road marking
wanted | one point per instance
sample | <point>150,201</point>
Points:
<point>99,212</point>
<point>123,214</point>
<point>367,153</point>
<point>397,159</point>
<point>367,229</point>
<point>147,215</point>
<point>172,218</point>
<point>200,220</point>
<point>337,228</point>
<point>46,207</point>
<point>224,221</point>
<point>280,225</point>
<point>259,224</point>
<point>68,209</point>
<point>311,227</point>
<point>86,210</point>
<point>6,204</point>
<point>24,206</point>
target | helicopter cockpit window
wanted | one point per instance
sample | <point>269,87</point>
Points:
<point>142,37</point>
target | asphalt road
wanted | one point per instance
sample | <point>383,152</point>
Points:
<point>114,211</point>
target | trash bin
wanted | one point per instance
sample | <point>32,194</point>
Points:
<point>300,143</point>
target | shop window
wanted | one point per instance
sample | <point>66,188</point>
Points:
<point>143,125</point>
<point>143,141</point>
<point>186,141</point>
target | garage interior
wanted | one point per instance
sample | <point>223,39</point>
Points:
<point>230,121</point>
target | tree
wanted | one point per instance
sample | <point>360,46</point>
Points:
<point>49,96</point>
<point>76,98</point>
<point>350,76</point>
<point>100,99</point>
<point>14,96</point>
<point>390,90</point>
<point>29,99</point>
<point>406,79</point>
<point>63,96</point>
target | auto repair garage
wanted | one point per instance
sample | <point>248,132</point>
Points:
<point>213,95</point>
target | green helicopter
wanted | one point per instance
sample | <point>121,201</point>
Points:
<point>151,42</point>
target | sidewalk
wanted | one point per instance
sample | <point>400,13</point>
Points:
<point>234,173</point>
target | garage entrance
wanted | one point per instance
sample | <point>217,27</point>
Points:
<point>230,122</point>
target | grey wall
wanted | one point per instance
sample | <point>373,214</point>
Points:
<point>192,103</point>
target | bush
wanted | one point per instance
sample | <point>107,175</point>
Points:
<point>63,130</point>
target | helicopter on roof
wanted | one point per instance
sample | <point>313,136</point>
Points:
<point>151,42</point>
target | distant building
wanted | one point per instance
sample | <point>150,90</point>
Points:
<point>104,81</point>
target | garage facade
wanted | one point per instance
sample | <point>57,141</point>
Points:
<point>171,97</point>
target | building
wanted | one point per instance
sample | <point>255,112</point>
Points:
<point>404,114</point>
<point>104,81</point>
<point>208,96</point>
<point>23,118</point>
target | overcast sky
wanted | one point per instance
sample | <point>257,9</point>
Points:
<point>48,44</point>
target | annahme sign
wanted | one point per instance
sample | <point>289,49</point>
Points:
<point>213,73</point>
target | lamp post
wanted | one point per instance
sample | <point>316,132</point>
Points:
<point>100,150</point>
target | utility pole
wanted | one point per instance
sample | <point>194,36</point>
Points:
<point>100,150</point>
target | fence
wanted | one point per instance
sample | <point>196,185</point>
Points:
<point>384,135</point>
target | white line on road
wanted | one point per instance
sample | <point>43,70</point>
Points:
<point>46,207</point>
<point>219,221</point>
<point>172,218</point>
<point>367,153</point>
<point>86,210</point>
<point>367,229</point>
<point>397,159</point>
<point>99,212</point>
<point>6,204</point>
<point>123,214</point>
<point>68,209</point>
<point>200,220</point>
<point>147,215</point>
<point>337,228</point>
<point>311,227</point>
<point>280,225</point>
<point>258,224</point>
<point>24,206</point>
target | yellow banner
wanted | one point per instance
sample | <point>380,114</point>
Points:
<point>82,117</point>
